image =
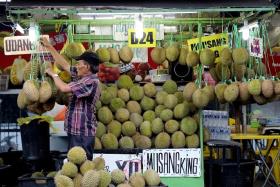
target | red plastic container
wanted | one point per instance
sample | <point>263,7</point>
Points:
<point>108,72</point>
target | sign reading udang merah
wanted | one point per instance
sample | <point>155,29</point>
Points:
<point>148,39</point>
<point>173,162</point>
<point>18,45</point>
<point>214,42</point>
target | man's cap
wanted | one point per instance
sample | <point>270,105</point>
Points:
<point>89,57</point>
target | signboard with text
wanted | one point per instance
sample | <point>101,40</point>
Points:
<point>18,45</point>
<point>129,163</point>
<point>147,40</point>
<point>120,32</point>
<point>173,162</point>
<point>214,42</point>
<point>256,47</point>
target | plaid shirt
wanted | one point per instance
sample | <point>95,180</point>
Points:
<point>80,115</point>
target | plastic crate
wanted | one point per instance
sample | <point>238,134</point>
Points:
<point>4,82</point>
<point>26,181</point>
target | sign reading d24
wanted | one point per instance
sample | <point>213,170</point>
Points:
<point>148,39</point>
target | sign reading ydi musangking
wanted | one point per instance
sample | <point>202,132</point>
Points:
<point>214,42</point>
<point>18,45</point>
<point>173,162</point>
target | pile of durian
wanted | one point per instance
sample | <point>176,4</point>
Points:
<point>80,172</point>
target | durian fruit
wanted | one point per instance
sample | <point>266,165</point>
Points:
<point>210,91</point>
<point>45,92</point>
<point>243,92</point>
<point>137,180</point>
<point>142,142</point>
<point>77,155</point>
<point>21,100</point>
<point>192,59</point>
<point>103,54</point>
<point>77,180</point>
<point>99,163</point>
<point>91,179</point>
<point>207,57</point>
<point>151,177</point>
<point>250,73</point>
<point>125,184</point>
<point>213,74</point>
<point>49,104</point>
<point>31,91</point>
<point>240,55</point>
<point>231,92</point>
<point>72,50</point>
<point>267,88</point>
<point>97,144</point>
<point>192,141</point>
<point>105,178</point>
<point>37,174</point>
<point>17,71</point>
<point>180,110</point>
<point>255,87</point>
<point>51,174</point>
<point>114,55</point>
<point>226,56</point>
<point>63,181</point>
<point>53,86</point>
<point>65,76</point>
<point>117,176</point>
<point>126,54</point>
<point>200,98</point>
<point>188,125</point>
<point>69,169</point>
<point>109,141</point>
<point>239,70</point>
<point>277,87</point>
<point>86,166</point>
<point>222,71</point>
<point>150,89</point>
<point>178,139</point>
<point>260,99</point>
<point>3,34</point>
<point>158,55</point>
<point>146,128</point>
<point>115,127</point>
<point>162,140</point>
<point>260,69</point>
<point>126,142</point>
<point>171,126</point>
<point>219,91</point>
<point>172,53</point>
<point>183,56</point>
<point>188,91</point>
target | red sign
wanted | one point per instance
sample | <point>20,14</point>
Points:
<point>272,63</point>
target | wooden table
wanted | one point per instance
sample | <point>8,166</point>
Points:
<point>253,137</point>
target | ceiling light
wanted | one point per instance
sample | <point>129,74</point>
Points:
<point>4,1</point>
<point>139,27</point>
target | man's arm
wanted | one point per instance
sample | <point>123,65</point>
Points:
<point>57,57</point>
<point>62,86</point>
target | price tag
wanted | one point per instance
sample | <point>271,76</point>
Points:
<point>148,39</point>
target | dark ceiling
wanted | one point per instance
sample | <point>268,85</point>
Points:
<point>148,3</point>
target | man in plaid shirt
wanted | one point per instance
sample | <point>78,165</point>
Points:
<point>80,120</point>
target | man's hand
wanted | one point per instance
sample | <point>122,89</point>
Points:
<point>44,42</point>
<point>50,72</point>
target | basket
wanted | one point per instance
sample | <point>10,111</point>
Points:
<point>4,82</point>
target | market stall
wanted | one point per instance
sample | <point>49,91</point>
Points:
<point>171,80</point>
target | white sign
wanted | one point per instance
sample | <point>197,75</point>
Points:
<point>120,32</point>
<point>129,163</point>
<point>140,55</point>
<point>256,47</point>
<point>18,45</point>
<point>173,162</point>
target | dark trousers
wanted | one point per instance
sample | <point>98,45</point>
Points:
<point>86,142</point>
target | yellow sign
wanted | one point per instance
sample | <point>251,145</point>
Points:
<point>148,39</point>
<point>214,42</point>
